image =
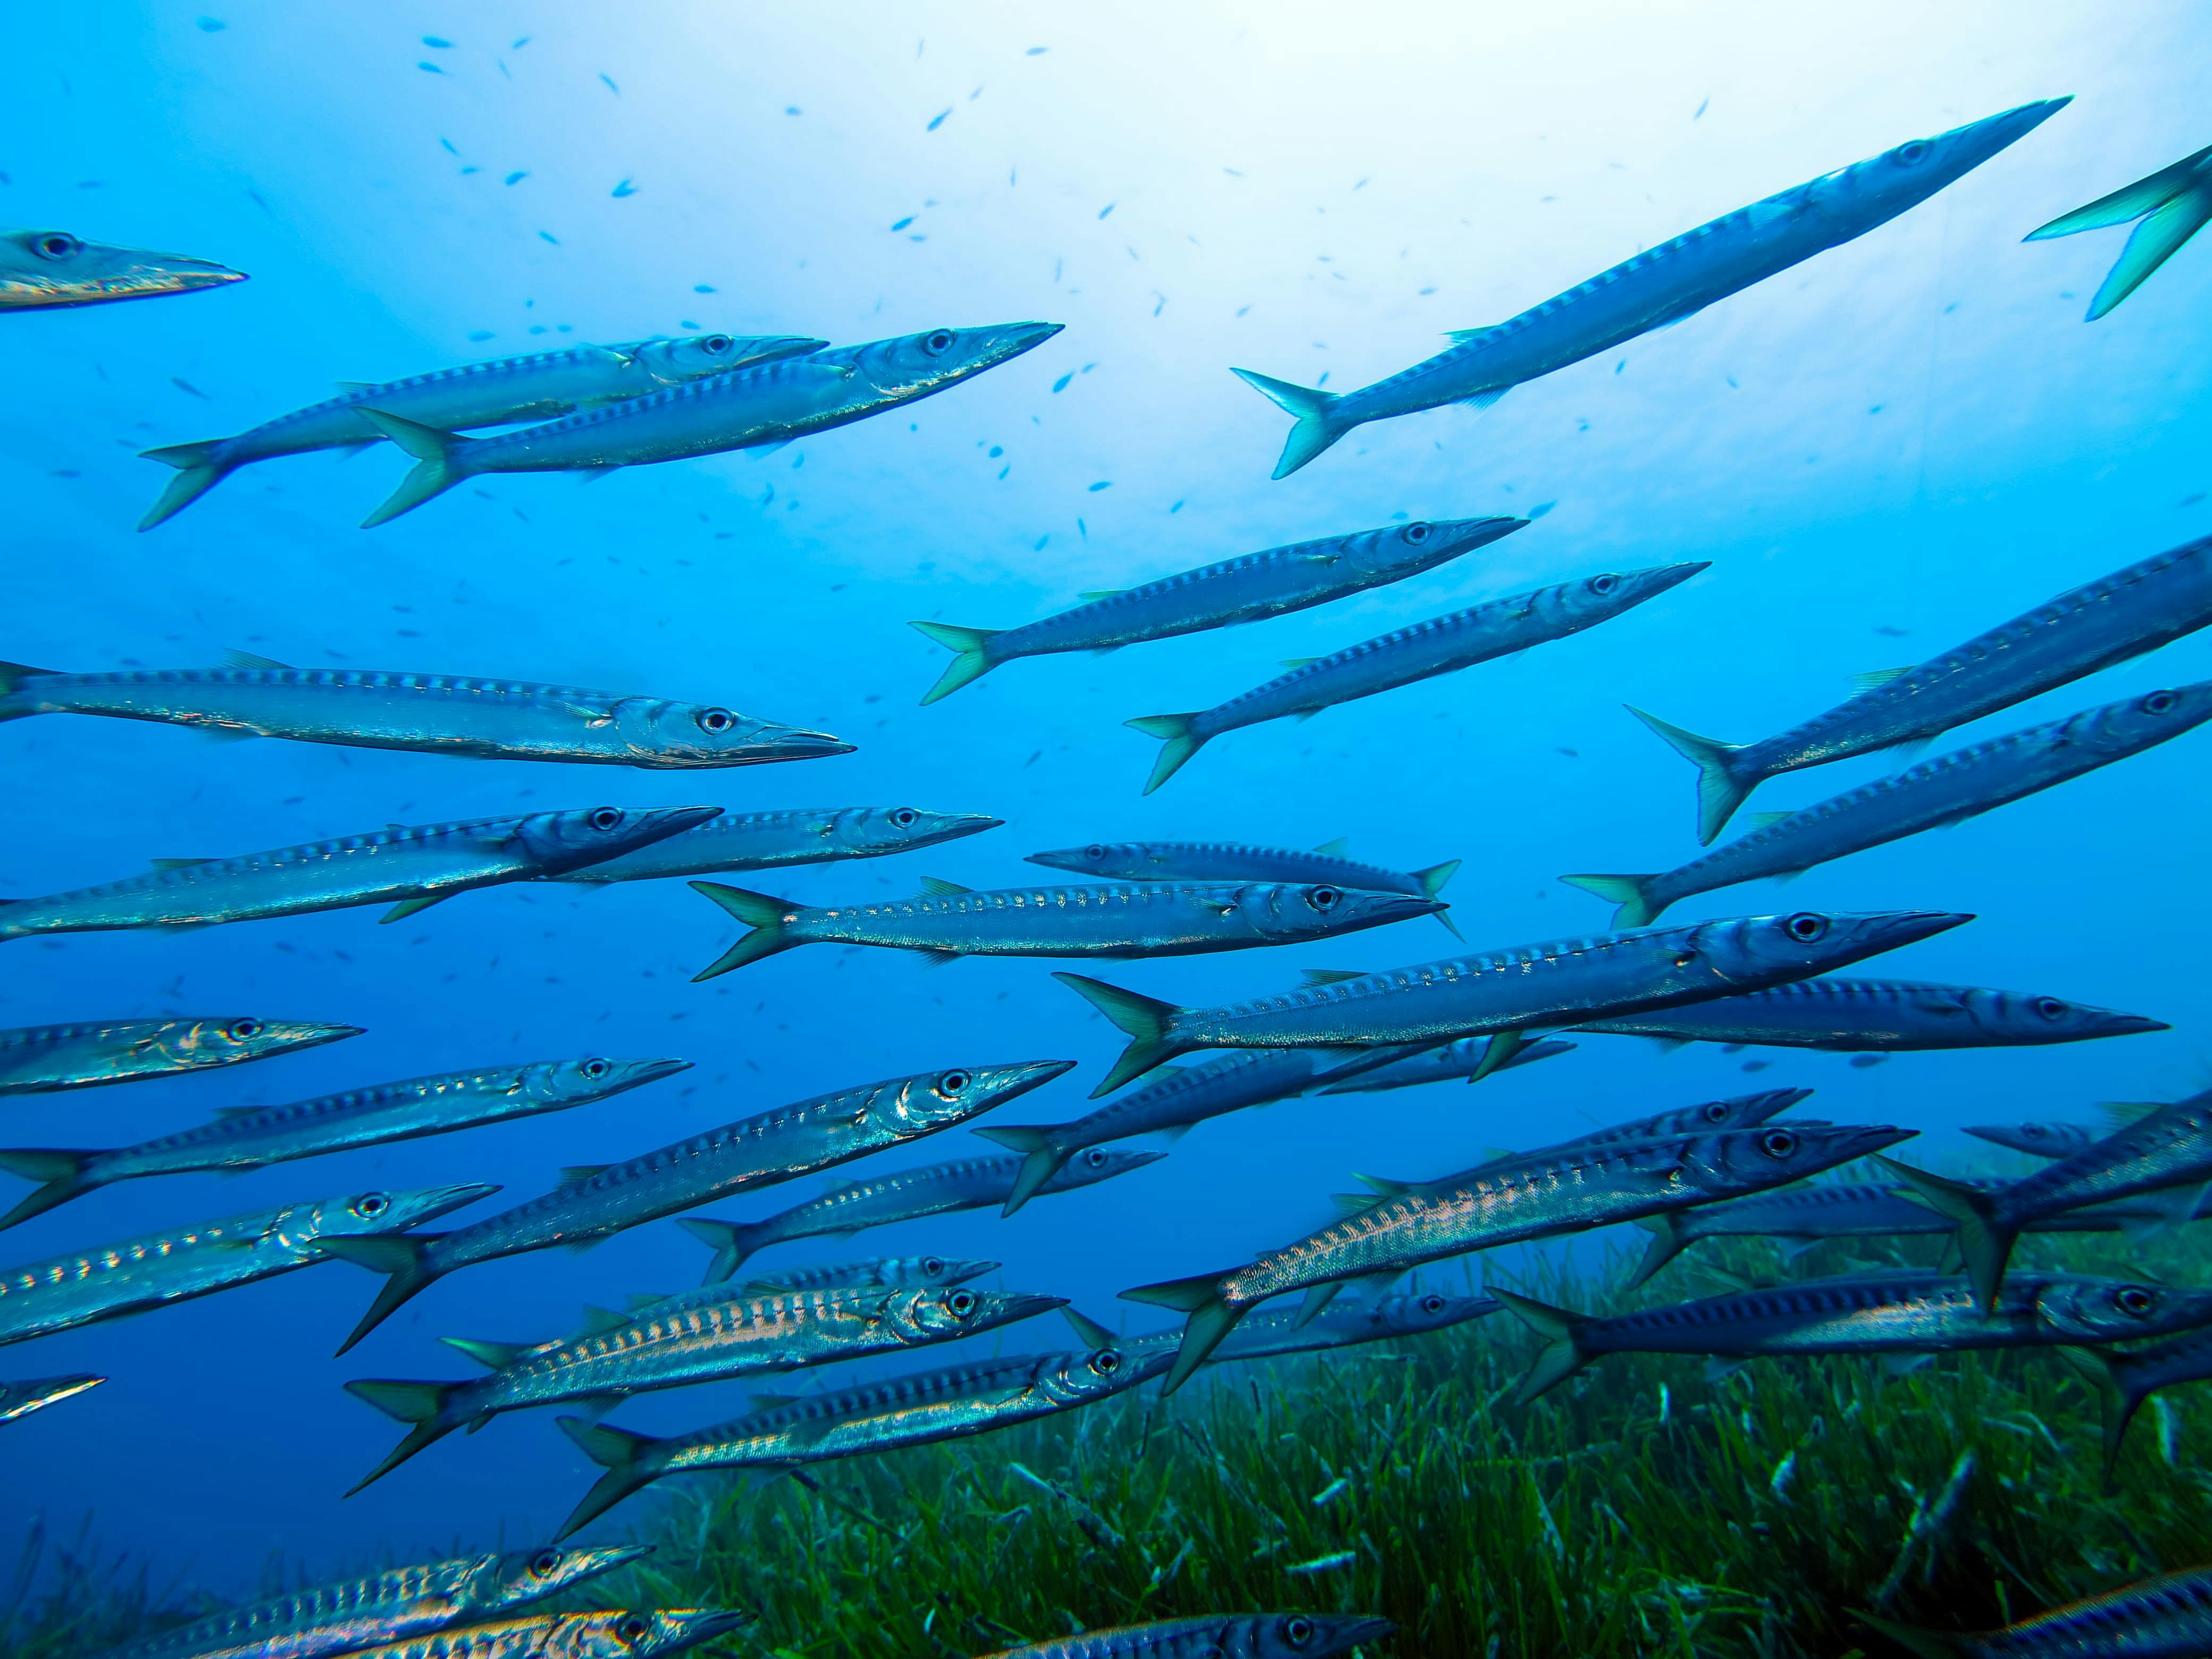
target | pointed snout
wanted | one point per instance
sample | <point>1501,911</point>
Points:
<point>1968,147</point>
<point>590,1563</point>
<point>2109,1024</point>
<point>691,1626</point>
<point>431,1202</point>
<point>1347,1633</point>
<point>1850,1141</point>
<point>635,1073</point>
<point>795,743</point>
<point>1004,1083</point>
<point>774,348</point>
<point>1466,533</point>
<point>1895,929</point>
<point>1017,337</point>
<point>175,273</point>
<point>663,822</point>
<point>1067,859</point>
<point>954,824</point>
<point>1020,1305</point>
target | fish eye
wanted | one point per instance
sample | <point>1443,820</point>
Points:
<point>716,344</point>
<point>933,1266</point>
<point>2050,1007</point>
<point>962,1304</point>
<point>1095,1157</point>
<point>936,342</point>
<point>1297,1630</point>
<point>1716,1113</point>
<point>1914,153</point>
<point>1094,852</point>
<point>1432,1304</point>
<point>716,720</point>
<point>245,1030</point>
<point>605,818</point>
<point>953,1084</point>
<point>1778,1142</point>
<point>1602,586</point>
<point>596,1069</point>
<point>1325,898</point>
<point>2158,702</point>
<point>2032,1131</point>
<point>55,245</point>
<point>1806,927</point>
<point>2134,1300</point>
<point>543,1564</point>
<point>371,1203</point>
<point>1106,1362</point>
<point>1416,532</point>
<point>904,817</point>
<point>634,1628</point>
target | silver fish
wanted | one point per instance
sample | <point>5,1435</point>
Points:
<point>393,1605</point>
<point>2167,1617</point>
<point>615,1634</point>
<point>541,386</point>
<point>2148,603</point>
<point>425,713</point>
<point>709,1335</point>
<point>250,1137</point>
<point>1442,644</point>
<point>1277,1331</point>
<point>1217,1636</point>
<point>416,867</point>
<point>1129,919</point>
<point>41,268</point>
<point>1219,861</point>
<point>760,1150</point>
<point>1931,795</point>
<point>771,404</point>
<point>39,1059</point>
<point>1860,1016</point>
<point>1658,287</point>
<point>1560,983</point>
<point>1247,589</point>
<point>2173,203</point>
<point>1454,1062</point>
<point>31,1393</point>
<point>777,841</point>
<point>2046,1139</point>
<point>966,1183</point>
<point>875,1272</point>
<point>180,1263</point>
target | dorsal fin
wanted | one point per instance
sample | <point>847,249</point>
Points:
<point>638,1301</point>
<point>1335,849</point>
<point>357,385</point>
<point>769,1402</point>
<point>937,887</point>
<point>1875,679</point>
<point>240,1111</point>
<point>492,1356</point>
<point>248,660</point>
<point>1352,1203</point>
<point>1299,662</point>
<point>598,1320</point>
<point>1330,976</point>
<point>2121,1113</point>
<point>177,863</point>
<point>576,1172</point>
<point>1462,336</point>
<point>1765,820</point>
<point>1089,1332</point>
<point>1092,596</point>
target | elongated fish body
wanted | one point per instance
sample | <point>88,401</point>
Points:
<point>2148,603</point>
<point>1222,861</point>
<point>1450,1062</point>
<point>19,1399</point>
<point>1241,590</point>
<point>1442,644</point>
<point>773,404</point>
<point>708,1336</point>
<point>2166,1617</point>
<point>247,1138</point>
<point>1170,1103</point>
<point>759,1151</point>
<point>1236,1636</point>
<point>46,268</point>
<point>777,841</point>
<point>873,1272</point>
<point>2174,204</point>
<point>611,1635</point>
<point>915,1410</point>
<point>387,1607</point>
<point>1863,1015</point>
<point>1929,796</point>
<point>180,1263</point>
<point>2045,1138</point>
<point>966,1183</point>
<point>425,713</point>
<point>1129,919</point>
<point>1657,287</point>
<point>1274,1332</point>
<point>1562,982</point>
<point>416,867</point>
<point>42,1059</point>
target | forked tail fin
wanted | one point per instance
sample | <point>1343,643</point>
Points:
<point>762,912</point>
<point>1210,1320</point>
<point>2118,1396</point>
<point>1720,790</point>
<point>1149,1023</point>
<point>1984,1239</point>
<point>1174,730</point>
<point>198,472</point>
<point>419,1404</point>
<point>1041,1159</point>
<point>1631,893</point>
<point>1313,412</point>
<point>404,1256</point>
<point>61,1172</point>
<point>1563,1353</point>
<point>619,1452</point>
<point>731,1242</point>
<point>1667,1243</point>
<point>1433,881</point>
<point>440,458</point>
<point>2178,201</point>
<point>971,656</point>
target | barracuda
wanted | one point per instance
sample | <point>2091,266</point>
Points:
<point>2148,603</point>
<point>875,1272</point>
<point>249,1137</point>
<point>180,1263</point>
<point>754,1151</point>
<point>2169,1616</point>
<point>1442,644</point>
<point>612,1635</point>
<point>708,1336</point>
<point>1877,1016</point>
<point>966,1183</point>
<point>41,1059</point>
<point>541,386</point>
<point>1401,1067</point>
<point>393,1606</point>
<point>1241,590</point>
<point>18,1400</point>
<point>1932,795</point>
<point>1279,1331</point>
<point>411,869</point>
<point>777,841</point>
<point>1511,994</point>
<point>2046,1139</point>
<point>771,404</point>
<point>1233,1636</point>
<point>46,268</point>
<point>1541,1195</point>
<point>1136,919</point>
<point>1215,860</point>
<point>425,713</point>
<point>1658,287</point>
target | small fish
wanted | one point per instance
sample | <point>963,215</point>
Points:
<point>41,268</point>
<point>1134,919</point>
<point>1236,1636</point>
<point>1279,1331</point>
<point>968,1183</point>
<point>33,1393</point>
<point>1932,795</point>
<point>611,1635</point>
<point>877,1273</point>
<point>40,1059</point>
<point>2159,1617</point>
<point>540,386</point>
<point>1660,286</point>
<point>395,1605</point>
<point>1442,644</point>
<point>1245,589</point>
<point>244,1138</point>
<point>1908,1313</point>
<point>760,1150</point>
<point>777,841</point>
<point>2174,203</point>
<point>750,407</point>
<point>411,869</point>
<point>1511,994</point>
<point>2046,1139</point>
<point>1853,1015</point>
<point>1395,1068</point>
<point>2148,603</point>
<point>180,1263</point>
<point>1220,861</point>
<point>428,714</point>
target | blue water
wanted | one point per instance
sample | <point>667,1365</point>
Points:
<point>1882,452</point>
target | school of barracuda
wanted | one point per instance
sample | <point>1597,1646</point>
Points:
<point>1690,1172</point>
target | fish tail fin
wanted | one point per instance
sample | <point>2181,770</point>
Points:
<point>762,913</point>
<point>1434,878</point>
<point>1563,1353</point>
<point>1313,412</point>
<point>12,676</point>
<point>1210,1320</point>
<point>439,463</point>
<point>1041,1159</point>
<point>616,1451</point>
<point>1149,1023</point>
<point>1174,730</point>
<point>417,1404</point>
<point>731,1242</point>
<point>1927,1643</point>
<point>971,658</point>
<point>403,1256</point>
<point>1631,893</point>
<point>1721,790</point>
<point>1667,1243</point>
<point>2132,201</point>
<point>1984,1239</point>
<point>62,1172</point>
<point>2153,242</point>
<point>2117,1397</point>
<point>198,472</point>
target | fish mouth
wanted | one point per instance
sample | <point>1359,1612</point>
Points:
<point>968,823</point>
<point>171,273</point>
<point>798,743</point>
<point>1017,337</point>
<point>593,1562</point>
<point>1898,928</point>
<point>668,821</point>
<point>642,1072</point>
<point>1359,1632</point>
<point>1463,534</point>
<point>1865,1142</point>
<point>434,1202</point>
<point>307,1034</point>
<point>1021,1305</point>
<point>704,1624</point>
<point>2127,1025</point>
<point>1012,1082</point>
<point>1055,861</point>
